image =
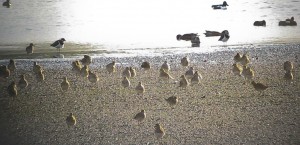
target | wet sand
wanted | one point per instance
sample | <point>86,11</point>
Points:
<point>222,109</point>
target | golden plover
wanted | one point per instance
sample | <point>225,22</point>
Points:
<point>159,131</point>
<point>84,71</point>
<point>140,89</point>
<point>288,66</point>
<point>237,58</point>
<point>183,82</point>
<point>93,78</point>
<point>111,67</point>
<point>245,60</point>
<point>140,116</point>
<point>196,78</point>
<point>132,71</point>
<point>71,120</point>
<point>86,60</point>
<point>23,83</point>
<point>126,73</point>
<point>166,66</point>
<point>125,82</point>
<point>4,71</point>
<point>12,65</point>
<point>185,61</point>
<point>237,69</point>
<point>189,73</point>
<point>164,75</point>
<point>65,85</point>
<point>12,89</point>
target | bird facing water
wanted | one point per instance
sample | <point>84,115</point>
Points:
<point>126,72</point>
<point>12,90</point>
<point>71,120</point>
<point>12,65</point>
<point>132,72</point>
<point>185,61</point>
<point>37,68</point>
<point>288,66</point>
<point>224,36</point>
<point>146,65</point>
<point>125,82</point>
<point>140,89</point>
<point>165,66</point>
<point>86,60</point>
<point>23,83</point>
<point>65,85</point>
<point>189,73</point>
<point>59,44</point>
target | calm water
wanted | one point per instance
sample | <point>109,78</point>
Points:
<point>143,26</point>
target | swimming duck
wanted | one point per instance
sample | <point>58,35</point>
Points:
<point>224,36</point>
<point>288,22</point>
<point>211,33</point>
<point>186,37</point>
<point>220,6</point>
<point>260,23</point>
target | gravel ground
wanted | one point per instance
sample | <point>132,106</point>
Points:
<point>222,109</point>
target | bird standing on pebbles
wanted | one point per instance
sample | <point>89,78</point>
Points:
<point>132,72</point>
<point>12,65</point>
<point>259,86</point>
<point>140,116</point>
<point>40,77</point>
<point>140,89</point>
<point>172,101</point>
<point>237,69</point>
<point>71,120</point>
<point>125,82</point>
<point>126,73</point>
<point>93,78</point>
<point>183,82</point>
<point>189,73</point>
<point>185,61</point>
<point>166,66</point>
<point>23,83</point>
<point>164,75</point>
<point>37,68</point>
<point>288,66</point>
<point>76,66</point>
<point>288,76</point>
<point>159,131</point>
<point>84,71</point>
<point>12,89</point>
<point>245,60</point>
<point>65,85</point>
<point>86,60</point>
<point>146,65</point>
<point>196,78</point>
<point>4,71</point>
<point>237,58</point>
<point>111,67</point>
<point>248,73</point>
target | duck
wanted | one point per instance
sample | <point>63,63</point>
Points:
<point>211,33</point>
<point>288,22</point>
<point>6,3</point>
<point>260,23</point>
<point>220,6</point>
<point>30,48</point>
<point>186,37</point>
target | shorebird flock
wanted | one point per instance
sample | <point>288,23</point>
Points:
<point>240,68</point>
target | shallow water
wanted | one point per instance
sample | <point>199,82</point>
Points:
<point>144,27</point>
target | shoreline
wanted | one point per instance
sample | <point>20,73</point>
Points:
<point>222,109</point>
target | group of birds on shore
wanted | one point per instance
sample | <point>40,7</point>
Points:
<point>81,68</point>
